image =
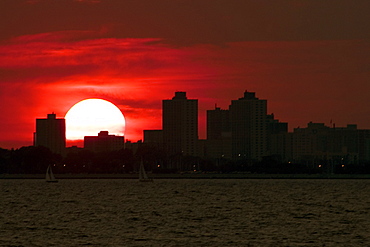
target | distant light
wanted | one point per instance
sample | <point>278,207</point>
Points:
<point>158,166</point>
<point>342,165</point>
<point>319,165</point>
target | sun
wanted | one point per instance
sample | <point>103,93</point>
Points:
<point>90,116</point>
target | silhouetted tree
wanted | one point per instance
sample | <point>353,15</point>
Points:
<point>152,156</point>
<point>4,160</point>
<point>32,160</point>
<point>85,161</point>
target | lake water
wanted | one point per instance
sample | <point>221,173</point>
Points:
<point>221,212</point>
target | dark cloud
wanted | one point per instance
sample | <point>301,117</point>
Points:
<point>190,21</point>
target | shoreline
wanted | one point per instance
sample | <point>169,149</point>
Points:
<point>191,176</point>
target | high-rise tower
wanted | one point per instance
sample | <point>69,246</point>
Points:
<point>248,127</point>
<point>51,133</point>
<point>218,122</point>
<point>180,125</point>
<point>218,134</point>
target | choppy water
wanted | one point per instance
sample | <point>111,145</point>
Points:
<point>185,213</point>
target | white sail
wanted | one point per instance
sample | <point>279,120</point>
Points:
<point>49,175</point>
<point>143,177</point>
<point>142,173</point>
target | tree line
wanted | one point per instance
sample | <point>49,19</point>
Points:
<point>35,160</point>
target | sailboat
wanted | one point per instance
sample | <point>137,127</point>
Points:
<point>50,176</point>
<point>143,177</point>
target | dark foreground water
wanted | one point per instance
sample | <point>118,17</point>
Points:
<point>185,213</point>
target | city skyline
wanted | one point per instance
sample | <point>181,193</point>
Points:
<point>252,117</point>
<point>309,59</point>
<point>180,95</point>
<point>244,132</point>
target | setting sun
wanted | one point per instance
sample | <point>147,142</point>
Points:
<point>90,116</point>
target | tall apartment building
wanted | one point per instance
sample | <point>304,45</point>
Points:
<point>218,122</point>
<point>248,116</point>
<point>218,143</point>
<point>277,137</point>
<point>180,125</point>
<point>51,133</point>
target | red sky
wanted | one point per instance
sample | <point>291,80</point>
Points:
<point>309,59</point>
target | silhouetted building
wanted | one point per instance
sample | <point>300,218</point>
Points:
<point>319,144</point>
<point>218,122</point>
<point>364,145</point>
<point>274,126</point>
<point>180,125</point>
<point>133,146</point>
<point>51,133</point>
<point>310,144</point>
<point>104,142</point>
<point>343,145</point>
<point>153,137</point>
<point>248,127</point>
<point>276,129</point>
<point>218,144</point>
<point>281,145</point>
